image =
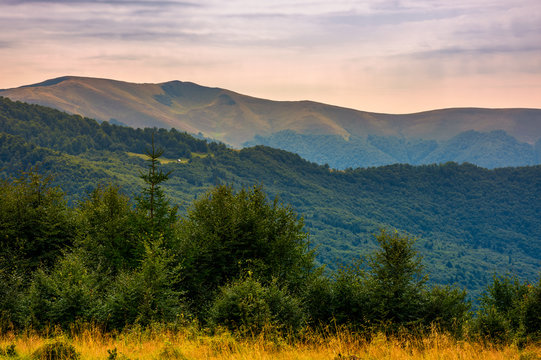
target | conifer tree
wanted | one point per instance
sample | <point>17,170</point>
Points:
<point>228,233</point>
<point>159,217</point>
<point>107,236</point>
<point>35,223</point>
<point>395,279</point>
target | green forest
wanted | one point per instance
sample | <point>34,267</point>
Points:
<point>490,150</point>
<point>469,223</point>
<point>236,260</point>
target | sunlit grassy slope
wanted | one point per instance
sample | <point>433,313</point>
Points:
<point>235,118</point>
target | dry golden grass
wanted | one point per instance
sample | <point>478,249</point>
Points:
<point>141,344</point>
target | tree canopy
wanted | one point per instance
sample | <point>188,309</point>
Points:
<point>227,234</point>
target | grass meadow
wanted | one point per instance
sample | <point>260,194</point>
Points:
<point>184,344</point>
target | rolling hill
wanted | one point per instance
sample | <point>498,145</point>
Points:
<point>471,222</point>
<point>491,150</point>
<point>239,120</point>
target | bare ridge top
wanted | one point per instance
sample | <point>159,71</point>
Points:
<point>235,118</point>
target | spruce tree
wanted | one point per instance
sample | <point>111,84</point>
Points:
<point>158,216</point>
<point>227,234</point>
<point>396,280</point>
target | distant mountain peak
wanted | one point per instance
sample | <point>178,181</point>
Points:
<point>50,82</point>
<point>235,118</point>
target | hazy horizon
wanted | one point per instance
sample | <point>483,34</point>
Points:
<point>381,56</point>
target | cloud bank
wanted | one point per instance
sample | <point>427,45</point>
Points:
<point>387,55</point>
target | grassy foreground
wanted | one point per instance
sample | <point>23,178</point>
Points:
<point>185,344</point>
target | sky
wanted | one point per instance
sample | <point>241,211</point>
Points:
<point>391,56</point>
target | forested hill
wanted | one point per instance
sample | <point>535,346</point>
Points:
<point>471,222</point>
<point>487,149</point>
<point>321,133</point>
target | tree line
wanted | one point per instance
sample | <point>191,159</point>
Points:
<point>74,134</point>
<point>236,260</point>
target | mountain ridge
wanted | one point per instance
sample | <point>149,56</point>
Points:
<point>235,118</point>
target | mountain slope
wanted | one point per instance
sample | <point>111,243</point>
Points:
<point>491,150</point>
<point>235,118</point>
<point>471,222</point>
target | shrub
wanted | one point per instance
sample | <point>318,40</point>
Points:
<point>395,280</point>
<point>35,224</point>
<point>248,306</point>
<point>286,311</point>
<point>351,302</point>
<point>508,311</point>
<point>58,350</point>
<point>107,235</point>
<point>532,311</point>
<point>447,308</point>
<point>492,325</point>
<point>318,300</point>
<point>64,295</point>
<point>12,311</point>
<point>145,295</point>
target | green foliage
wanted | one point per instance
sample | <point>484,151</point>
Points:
<point>241,305</point>
<point>228,233</point>
<point>75,135</point>
<point>318,300</point>
<point>63,296</point>
<point>471,221</point>
<point>35,224</point>
<point>493,325</point>
<point>158,278</point>
<point>510,310</point>
<point>532,311</point>
<point>147,294</point>
<point>117,262</point>
<point>388,292</point>
<point>447,308</point>
<point>247,305</point>
<point>155,208</point>
<point>57,350</point>
<point>395,280</point>
<point>117,273</point>
<point>351,300</point>
<point>150,292</point>
<point>504,296</point>
<point>122,301</point>
<point>107,235</point>
<point>12,309</point>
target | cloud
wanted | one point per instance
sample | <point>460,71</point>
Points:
<point>157,3</point>
<point>454,51</point>
<point>298,44</point>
